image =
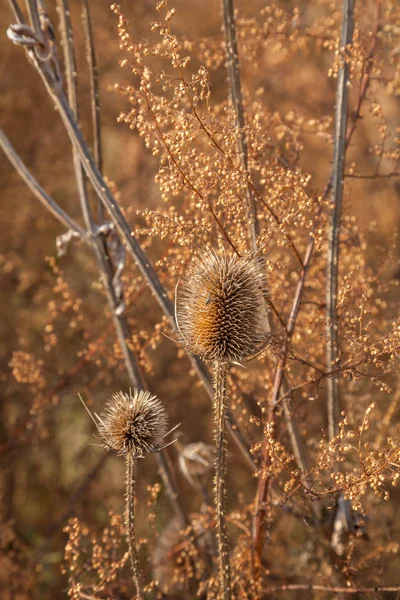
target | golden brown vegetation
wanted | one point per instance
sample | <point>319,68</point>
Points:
<point>232,184</point>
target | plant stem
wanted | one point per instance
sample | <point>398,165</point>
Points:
<point>342,98</point>
<point>342,520</point>
<point>220,471</point>
<point>130,523</point>
<point>232,55</point>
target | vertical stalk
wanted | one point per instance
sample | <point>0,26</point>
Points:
<point>342,520</point>
<point>130,523</point>
<point>221,369</point>
<point>342,98</point>
<point>232,55</point>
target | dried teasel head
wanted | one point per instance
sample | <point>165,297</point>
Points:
<point>196,461</point>
<point>133,423</point>
<point>221,308</point>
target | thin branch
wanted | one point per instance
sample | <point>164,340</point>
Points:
<point>327,588</point>
<point>37,189</point>
<point>17,11</point>
<point>342,99</point>
<point>94,93</point>
<point>94,85</point>
<point>373,176</point>
<point>34,17</point>
<point>237,101</point>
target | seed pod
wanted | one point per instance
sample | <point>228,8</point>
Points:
<point>133,423</point>
<point>221,308</point>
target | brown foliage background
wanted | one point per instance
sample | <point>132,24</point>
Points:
<point>56,336</point>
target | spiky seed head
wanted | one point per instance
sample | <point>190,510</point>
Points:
<point>221,308</point>
<point>133,423</point>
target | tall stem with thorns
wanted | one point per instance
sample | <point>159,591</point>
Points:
<point>220,370</point>
<point>130,523</point>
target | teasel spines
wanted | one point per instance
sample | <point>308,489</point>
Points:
<point>221,308</point>
<point>134,423</point>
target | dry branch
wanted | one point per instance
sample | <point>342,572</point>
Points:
<point>232,55</point>
<point>342,98</point>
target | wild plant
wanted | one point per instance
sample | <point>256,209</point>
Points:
<point>263,228</point>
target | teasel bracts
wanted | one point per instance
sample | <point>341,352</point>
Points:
<point>221,308</point>
<point>134,423</point>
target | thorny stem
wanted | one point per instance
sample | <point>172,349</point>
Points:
<point>130,523</point>
<point>220,398</point>
<point>342,98</point>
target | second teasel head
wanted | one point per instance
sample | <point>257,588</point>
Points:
<point>221,308</point>
<point>133,423</point>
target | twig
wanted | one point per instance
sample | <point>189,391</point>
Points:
<point>327,588</point>
<point>94,93</point>
<point>373,176</point>
<point>237,101</point>
<point>342,98</point>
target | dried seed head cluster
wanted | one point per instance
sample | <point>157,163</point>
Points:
<point>133,423</point>
<point>221,308</point>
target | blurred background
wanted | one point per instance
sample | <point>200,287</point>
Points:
<point>56,337</point>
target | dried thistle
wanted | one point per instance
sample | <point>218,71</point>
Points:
<point>221,309</point>
<point>134,423</point>
<point>222,316</point>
